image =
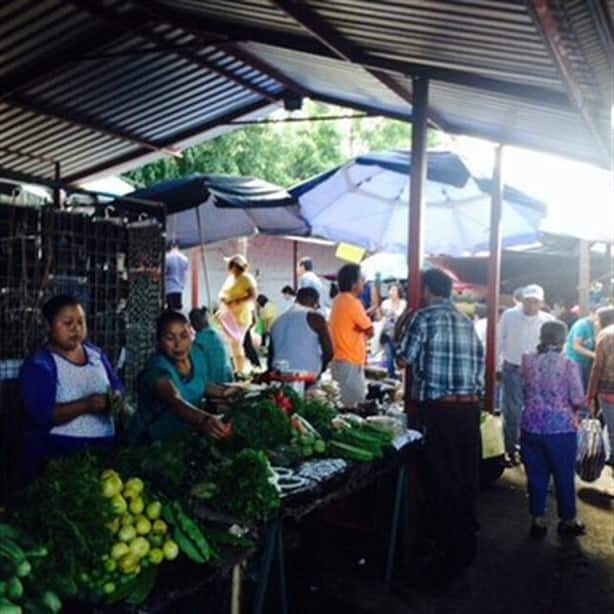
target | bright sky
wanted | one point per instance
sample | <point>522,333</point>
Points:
<point>580,197</point>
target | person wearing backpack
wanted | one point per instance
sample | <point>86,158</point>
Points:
<point>553,393</point>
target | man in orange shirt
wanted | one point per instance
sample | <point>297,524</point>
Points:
<point>350,328</point>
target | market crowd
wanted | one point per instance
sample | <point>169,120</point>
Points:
<point>73,397</point>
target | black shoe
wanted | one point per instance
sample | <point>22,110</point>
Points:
<point>574,528</point>
<point>538,531</point>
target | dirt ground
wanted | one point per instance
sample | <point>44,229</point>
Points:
<point>512,574</point>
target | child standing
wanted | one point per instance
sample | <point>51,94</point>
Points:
<point>553,393</point>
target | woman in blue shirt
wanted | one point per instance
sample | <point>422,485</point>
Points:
<point>172,386</point>
<point>64,387</point>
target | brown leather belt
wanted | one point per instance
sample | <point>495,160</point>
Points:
<point>459,398</point>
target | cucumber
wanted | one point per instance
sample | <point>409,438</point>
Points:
<point>187,546</point>
<point>191,530</point>
<point>11,551</point>
<point>343,450</point>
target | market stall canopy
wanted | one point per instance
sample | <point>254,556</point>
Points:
<point>210,208</point>
<point>90,87</point>
<point>365,203</point>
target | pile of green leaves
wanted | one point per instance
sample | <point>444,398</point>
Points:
<point>166,465</point>
<point>65,511</point>
<point>244,487</point>
<point>319,414</point>
<point>260,425</point>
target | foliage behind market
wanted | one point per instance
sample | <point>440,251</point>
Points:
<point>284,154</point>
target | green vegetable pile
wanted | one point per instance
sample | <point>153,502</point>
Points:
<point>364,443</point>
<point>22,588</point>
<point>260,425</point>
<point>245,487</point>
<point>320,415</point>
<point>65,510</point>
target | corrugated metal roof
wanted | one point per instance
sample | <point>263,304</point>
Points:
<point>99,84</point>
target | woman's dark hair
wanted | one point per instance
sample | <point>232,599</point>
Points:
<point>166,318</point>
<point>553,333</point>
<point>348,275</point>
<point>199,318</point>
<point>262,300</point>
<point>606,316</point>
<point>288,290</point>
<point>54,305</point>
<point>438,282</point>
<point>334,290</point>
<point>398,287</point>
<point>307,296</point>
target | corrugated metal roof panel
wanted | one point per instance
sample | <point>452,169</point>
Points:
<point>94,84</point>
<point>333,78</point>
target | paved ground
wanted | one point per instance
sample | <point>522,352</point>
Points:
<point>512,575</point>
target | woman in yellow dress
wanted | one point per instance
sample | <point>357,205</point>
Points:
<point>237,307</point>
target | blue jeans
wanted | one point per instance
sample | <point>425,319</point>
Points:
<point>546,455</point>
<point>513,401</point>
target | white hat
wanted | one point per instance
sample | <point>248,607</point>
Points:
<point>533,291</point>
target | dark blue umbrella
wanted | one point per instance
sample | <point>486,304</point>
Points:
<point>209,208</point>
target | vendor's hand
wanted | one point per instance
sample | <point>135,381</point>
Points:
<point>96,403</point>
<point>212,425</point>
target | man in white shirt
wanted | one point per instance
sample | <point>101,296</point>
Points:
<point>176,271</point>
<point>307,277</point>
<point>519,334</point>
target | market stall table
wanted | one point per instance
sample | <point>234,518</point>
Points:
<point>318,494</point>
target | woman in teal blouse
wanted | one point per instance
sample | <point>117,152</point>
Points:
<point>172,386</point>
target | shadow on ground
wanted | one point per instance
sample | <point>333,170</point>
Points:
<point>512,575</point>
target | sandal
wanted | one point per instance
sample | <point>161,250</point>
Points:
<point>575,527</point>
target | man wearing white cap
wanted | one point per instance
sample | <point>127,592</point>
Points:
<point>519,334</point>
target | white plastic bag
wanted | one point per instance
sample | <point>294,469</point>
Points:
<point>590,460</point>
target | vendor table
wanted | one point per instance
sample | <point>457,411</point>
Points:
<point>353,478</point>
<point>347,478</point>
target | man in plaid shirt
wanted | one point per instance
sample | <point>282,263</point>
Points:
<point>446,358</point>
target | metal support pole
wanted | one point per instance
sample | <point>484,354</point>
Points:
<point>195,285</point>
<point>295,265</point>
<point>57,175</point>
<point>494,280</point>
<point>417,181</point>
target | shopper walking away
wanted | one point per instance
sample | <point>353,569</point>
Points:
<point>447,362</point>
<point>553,392</point>
<point>300,340</point>
<point>601,386</point>
<point>350,328</point>
<point>307,277</point>
<point>519,334</point>
<point>175,273</point>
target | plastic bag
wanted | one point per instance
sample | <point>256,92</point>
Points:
<point>590,460</point>
<point>492,436</point>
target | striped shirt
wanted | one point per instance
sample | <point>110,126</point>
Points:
<point>445,353</point>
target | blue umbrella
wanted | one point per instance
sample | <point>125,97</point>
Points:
<point>365,202</point>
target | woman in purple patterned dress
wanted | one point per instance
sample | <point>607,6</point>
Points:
<point>553,393</point>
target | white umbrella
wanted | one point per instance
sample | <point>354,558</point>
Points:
<point>365,202</point>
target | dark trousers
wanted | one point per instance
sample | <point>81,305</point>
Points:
<point>250,350</point>
<point>452,454</point>
<point>546,455</point>
<point>173,301</point>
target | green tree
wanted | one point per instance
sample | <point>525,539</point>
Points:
<point>284,153</point>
